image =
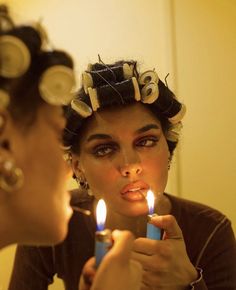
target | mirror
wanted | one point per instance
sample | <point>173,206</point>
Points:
<point>195,43</point>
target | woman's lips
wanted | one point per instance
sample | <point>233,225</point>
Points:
<point>135,191</point>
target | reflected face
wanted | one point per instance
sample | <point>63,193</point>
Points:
<point>123,153</point>
<point>42,205</point>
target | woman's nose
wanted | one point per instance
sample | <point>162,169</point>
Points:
<point>131,166</point>
<point>130,170</point>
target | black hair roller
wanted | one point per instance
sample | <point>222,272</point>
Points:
<point>114,94</point>
<point>169,105</point>
<point>48,59</point>
<point>29,36</point>
<point>99,66</point>
<point>73,123</point>
<point>96,78</point>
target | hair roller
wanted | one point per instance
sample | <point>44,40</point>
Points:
<point>108,74</point>
<point>179,116</point>
<point>149,93</point>
<point>6,22</point>
<point>93,98</point>
<point>114,94</point>
<point>137,95</point>
<point>81,108</point>
<point>57,81</point>
<point>147,77</point>
<point>17,47</point>
<point>173,133</point>
<point>169,106</point>
<point>73,122</point>
<point>4,99</point>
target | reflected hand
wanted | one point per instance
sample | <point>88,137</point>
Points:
<point>166,263</point>
<point>117,271</point>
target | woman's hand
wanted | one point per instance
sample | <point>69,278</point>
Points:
<point>117,271</point>
<point>166,264</point>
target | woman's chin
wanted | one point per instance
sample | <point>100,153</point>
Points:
<point>133,212</point>
<point>58,227</point>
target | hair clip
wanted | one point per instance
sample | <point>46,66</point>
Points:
<point>4,99</point>
<point>57,85</point>
<point>14,55</point>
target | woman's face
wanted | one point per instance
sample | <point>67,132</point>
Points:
<point>123,153</point>
<point>41,207</point>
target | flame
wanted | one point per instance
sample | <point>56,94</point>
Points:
<point>150,200</point>
<point>101,213</point>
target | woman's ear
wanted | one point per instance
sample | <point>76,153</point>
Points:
<point>11,176</point>
<point>76,165</point>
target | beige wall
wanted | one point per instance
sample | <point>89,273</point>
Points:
<point>205,55</point>
<point>195,42</point>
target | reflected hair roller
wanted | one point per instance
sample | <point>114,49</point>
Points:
<point>27,64</point>
<point>119,84</point>
<point>96,78</point>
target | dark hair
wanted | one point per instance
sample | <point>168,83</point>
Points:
<point>23,88</point>
<point>112,88</point>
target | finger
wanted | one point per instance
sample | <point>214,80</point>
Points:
<point>170,226</point>
<point>123,244</point>
<point>146,246</point>
<point>155,263</point>
<point>89,271</point>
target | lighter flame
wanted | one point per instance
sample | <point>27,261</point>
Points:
<point>150,201</point>
<point>101,213</point>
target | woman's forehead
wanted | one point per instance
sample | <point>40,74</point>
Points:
<point>131,117</point>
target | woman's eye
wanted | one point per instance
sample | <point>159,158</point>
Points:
<point>147,142</point>
<point>103,150</point>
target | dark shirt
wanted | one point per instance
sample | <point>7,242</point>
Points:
<point>208,236</point>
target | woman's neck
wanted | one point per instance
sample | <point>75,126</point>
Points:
<point>137,224</point>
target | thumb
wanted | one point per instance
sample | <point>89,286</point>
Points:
<point>169,224</point>
<point>123,244</point>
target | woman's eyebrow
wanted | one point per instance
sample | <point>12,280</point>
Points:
<point>98,136</point>
<point>147,128</point>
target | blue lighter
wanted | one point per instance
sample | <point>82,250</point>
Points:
<point>103,243</point>
<point>153,232</point>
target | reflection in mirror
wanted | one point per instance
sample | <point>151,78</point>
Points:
<point>170,38</point>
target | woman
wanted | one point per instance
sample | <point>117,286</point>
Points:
<point>32,169</point>
<point>34,84</point>
<point>121,134</point>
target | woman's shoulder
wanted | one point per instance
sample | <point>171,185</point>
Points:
<point>199,221</point>
<point>184,208</point>
<point>206,230</point>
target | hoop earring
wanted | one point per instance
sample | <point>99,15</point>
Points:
<point>169,162</point>
<point>83,184</point>
<point>11,176</point>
